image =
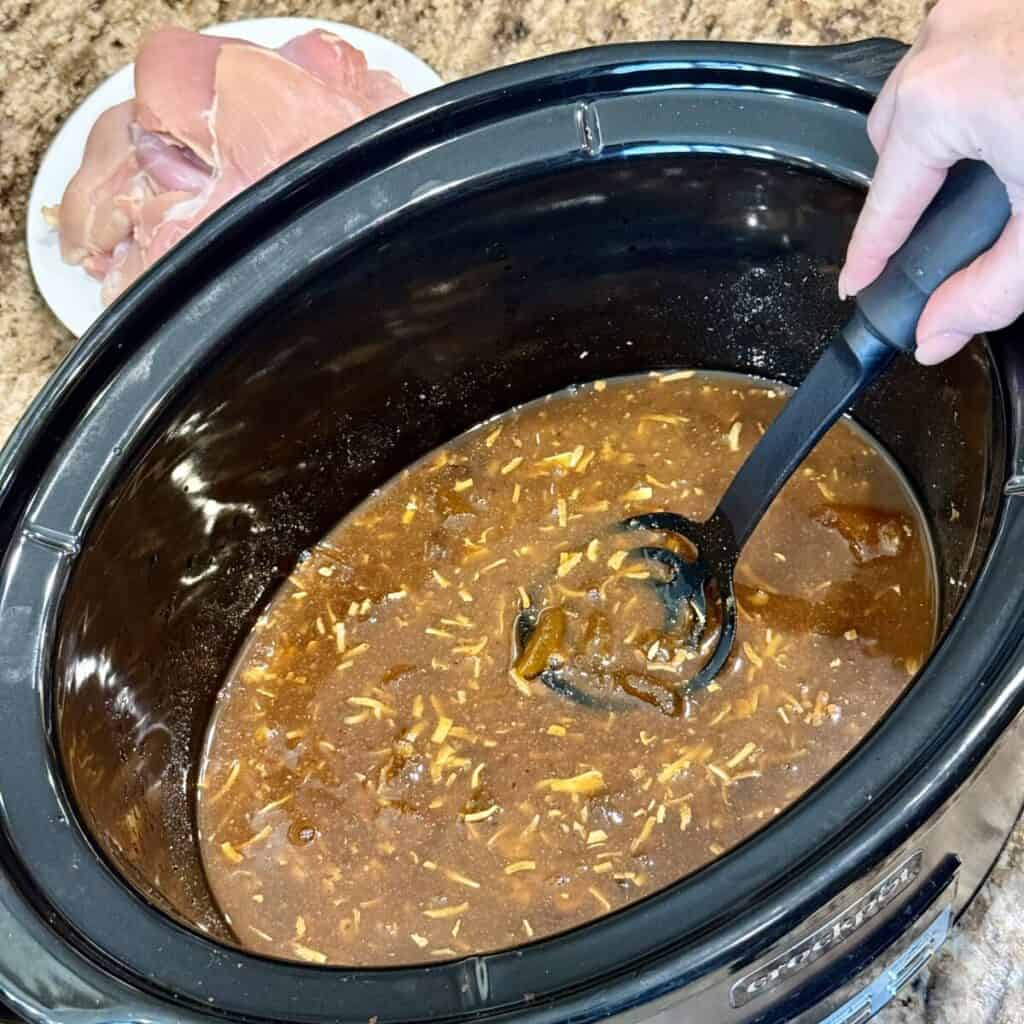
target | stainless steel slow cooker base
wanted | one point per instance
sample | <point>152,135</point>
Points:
<point>577,217</point>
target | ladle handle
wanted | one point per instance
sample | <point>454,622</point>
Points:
<point>964,220</point>
<point>966,217</point>
<point>844,370</point>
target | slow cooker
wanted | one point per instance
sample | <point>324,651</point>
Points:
<point>581,216</point>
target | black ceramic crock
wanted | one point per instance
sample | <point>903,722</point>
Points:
<point>585,215</point>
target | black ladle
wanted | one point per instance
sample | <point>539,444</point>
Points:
<point>964,220</point>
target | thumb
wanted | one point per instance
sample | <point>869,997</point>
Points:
<point>985,296</point>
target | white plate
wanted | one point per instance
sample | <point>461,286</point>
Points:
<point>69,291</point>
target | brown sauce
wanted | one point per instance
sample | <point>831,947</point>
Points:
<point>381,786</point>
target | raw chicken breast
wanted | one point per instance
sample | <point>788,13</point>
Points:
<point>92,220</point>
<point>269,110</point>
<point>174,84</point>
<point>155,231</point>
<point>168,165</point>
<point>343,67</point>
<point>211,116</point>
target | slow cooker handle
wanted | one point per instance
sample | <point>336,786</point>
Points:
<point>864,64</point>
<point>963,221</point>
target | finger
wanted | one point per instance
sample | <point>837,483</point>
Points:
<point>905,183</point>
<point>882,113</point>
<point>985,296</point>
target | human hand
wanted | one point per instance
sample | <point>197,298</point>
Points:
<point>958,93</point>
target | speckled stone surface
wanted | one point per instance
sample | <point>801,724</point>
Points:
<point>53,52</point>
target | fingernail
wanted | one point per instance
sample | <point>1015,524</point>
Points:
<point>938,347</point>
<point>843,293</point>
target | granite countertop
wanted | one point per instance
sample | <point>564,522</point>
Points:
<point>54,52</point>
